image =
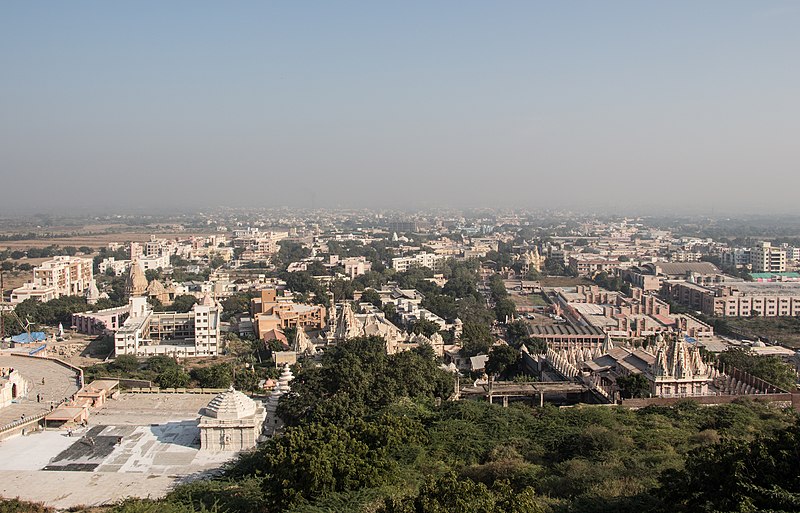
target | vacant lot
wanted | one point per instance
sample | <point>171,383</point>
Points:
<point>528,300</point>
<point>783,330</point>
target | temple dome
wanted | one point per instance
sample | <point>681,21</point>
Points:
<point>155,288</point>
<point>231,405</point>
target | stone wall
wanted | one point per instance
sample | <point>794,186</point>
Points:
<point>782,400</point>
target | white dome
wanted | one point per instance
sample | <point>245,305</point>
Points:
<point>231,405</point>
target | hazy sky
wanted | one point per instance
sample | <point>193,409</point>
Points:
<point>599,104</point>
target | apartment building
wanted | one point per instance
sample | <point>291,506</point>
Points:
<point>61,276</point>
<point>735,257</point>
<point>119,267</point>
<point>429,260</point>
<point>767,258</point>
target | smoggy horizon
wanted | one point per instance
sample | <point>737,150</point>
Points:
<point>624,107</point>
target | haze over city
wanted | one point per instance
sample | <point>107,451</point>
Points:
<point>652,106</point>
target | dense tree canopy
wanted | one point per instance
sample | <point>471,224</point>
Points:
<point>356,377</point>
<point>769,368</point>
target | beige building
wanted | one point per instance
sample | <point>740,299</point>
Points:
<point>585,265</point>
<point>273,313</point>
<point>61,276</point>
<point>738,299</point>
<point>356,266</point>
<point>767,258</point>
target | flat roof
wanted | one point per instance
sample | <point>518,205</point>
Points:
<point>566,329</point>
<point>769,288</point>
<point>65,413</point>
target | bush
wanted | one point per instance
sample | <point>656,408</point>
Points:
<point>126,363</point>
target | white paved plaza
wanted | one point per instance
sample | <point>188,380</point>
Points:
<point>139,446</point>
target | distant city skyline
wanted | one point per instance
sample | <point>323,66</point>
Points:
<point>615,107</point>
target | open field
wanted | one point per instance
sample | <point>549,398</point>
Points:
<point>93,241</point>
<point>528,300</point>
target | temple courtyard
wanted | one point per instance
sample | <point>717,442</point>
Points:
<point>136,446</point>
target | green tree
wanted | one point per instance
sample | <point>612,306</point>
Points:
<point>216,261</point>
<point>235,305</point>
<point>517,330</point>
<point>739,476</point>
<point>246,379</point>
<point>342,289</point>
<point>425,327</point>
<point>633,385</point>
<point>475,338</point>
<point>334,460</point>
<point>505,309</point>
<point>213,376</point>
<point>503,360</point>
<point>183,303</point>
<point>371,296</point>
<point>174,377</point>
<point>449,494</point>
<point>126,363</point>
<point>769,368</point>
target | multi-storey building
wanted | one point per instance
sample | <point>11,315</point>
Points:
<point>119,267</point>
<point>272,313</point>
<point>61,276</point>
<point>767,258</point>
<point>429,260</point>
<point>71,276</point>
<point>183,334</point>
<point>585,265</point>
<point>740,299</point>
<point>735,257</point>
<point>356,266</point>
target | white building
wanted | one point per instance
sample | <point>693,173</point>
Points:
<point>61,276</point>
<point>429,260</point>
<point>119,267</point>
<point>147,333</point>
<point>154,262</point>
<point>231,422</point>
